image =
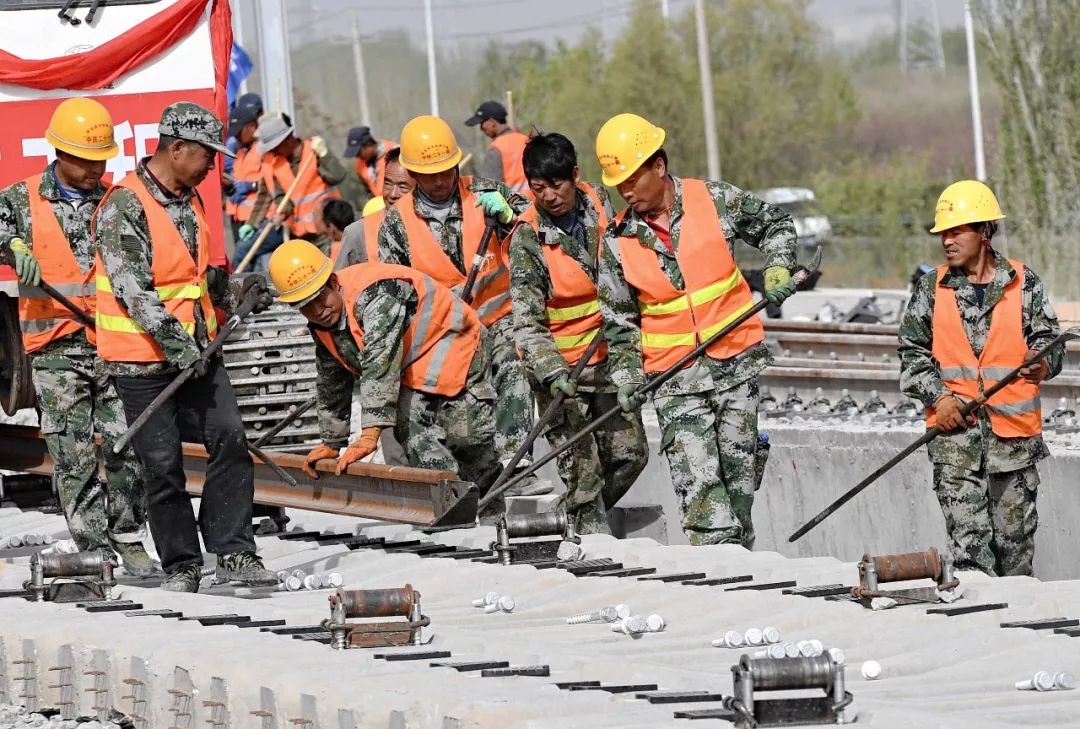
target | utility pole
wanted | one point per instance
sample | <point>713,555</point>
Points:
<point>274,69</point>
<point>973,84</point>
<point>433,80</point>
<point>712,148</point>
<point>361,76</point>
<point>665,9</point>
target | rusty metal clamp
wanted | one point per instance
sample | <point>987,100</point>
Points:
<point>874,571</point>
<point>402,602</point>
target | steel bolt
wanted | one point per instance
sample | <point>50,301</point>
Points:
<point>837,655</point>
<point>655,623</point>
<point>15,542</point>
<point>632,625</point>
<point>791,650</point>
<point>505,604</point>
<point>773,651</point>
<point>770,634</point>
<point>489,599</point>
<point>294,583</point>
<point>1041,681</point>
<point>311,582</point>
<point>1064,681</point>
<point>604,614</point>
<point>622,610</point>
<point>753,637</point>
<point>282,575</point>
<point>731,639</point>
<point>871,670</point>
<point>335,580</point>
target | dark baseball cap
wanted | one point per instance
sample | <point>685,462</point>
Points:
<point>358,137</point>
<point>487,110</point>
<point>241,115</point>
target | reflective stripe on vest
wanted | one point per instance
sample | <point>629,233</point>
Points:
<point>308,192</point>
<point>41,319</point>
<point>573,311</point>
<point>675,321</point>
<point>491,290</point>
<point>363,171</point>
<point>511,147</point>
<point>439,342</point>
<point>247,167</point>
<point>178,280</point>
<point>1015,411</point>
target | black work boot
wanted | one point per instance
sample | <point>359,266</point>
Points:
<point>184,578</point>
<point>244,567</point>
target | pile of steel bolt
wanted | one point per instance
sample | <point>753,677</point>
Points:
<point>299,580</point>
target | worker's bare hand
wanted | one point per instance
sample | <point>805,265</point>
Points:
<point>1037,372</point>
<point>949,417</point>
<point>318,453</point>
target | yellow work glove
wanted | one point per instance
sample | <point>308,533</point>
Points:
<point>319,145</point>
<point>317,454</point>
<point>364,446</point>
<point>778,284</point>
<point>26,266</point>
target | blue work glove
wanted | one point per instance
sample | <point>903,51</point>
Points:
<point>563,384</point>
<point>629,399</point>
<point>246,232</point>
<point>778,285</point>
<point>495,205</point>
<point>241,190</point>
<point>26,266</point>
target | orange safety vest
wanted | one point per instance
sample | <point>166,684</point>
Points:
<point>178,279</point>
<point>375,184</point>
<point>247,167</point>
<point>573,311</point>
<point>491,289</point>
<point>1015,411</point>
<point>511,147</point>
<point>42,319</point>
<point>674,321</point>
<point>440,341</point>
<point>307,195</point>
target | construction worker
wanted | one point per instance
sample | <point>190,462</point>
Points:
<point>284,157</point>
<point>502,162</point>
<point>155,316</point>
<point>246,170</point>
<point>668,281</point>
<point>332,217</point>
<point>437,229</point>
<point>370,158</point>
<point>970,320</point>
<point>360,242</point>
<point>553,262</point>
<point>420,355</point>
<point>46,221</point>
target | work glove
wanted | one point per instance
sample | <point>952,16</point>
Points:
<point>319,145</point>
<point>316,454</point>
<point>495,205</point>
<point>26,266</point>
<point>240,192</point>
<point>246,232</point>
<point>364,446</point>
<point>947,412</point>
<point>629,398</point>
<point>1037,372</point>
<point>242,285</point>
<point>778,285</point>
<point>563,384</point>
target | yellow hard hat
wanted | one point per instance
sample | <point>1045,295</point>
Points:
<point>623,144</point>
<point>967,201</point>
<point>83,128</point>
<point>428,146</point>
<point>373,206</point>
<point>299,270</point>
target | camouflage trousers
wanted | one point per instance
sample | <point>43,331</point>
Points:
<point>76,397</point>
<point>514,406</point>
<point>990,517</point>
<point>450,433</point>
<point>710,440</point>
<point>599,470</point>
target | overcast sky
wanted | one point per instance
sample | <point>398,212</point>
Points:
<point>846,21</point>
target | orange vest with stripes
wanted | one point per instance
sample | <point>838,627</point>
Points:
<point>42,319</point>
<point>308,193</point>
<point>674,321</point>
<point>511,147</point>
<point>178,279</point>
<point>439,342</point>
<point>1015,411</point>
<point>573,311</point>
<point>491,290</point>
<point>363,171</point>
<point>247,167</point>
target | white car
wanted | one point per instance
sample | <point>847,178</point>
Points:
<point>811,224</point>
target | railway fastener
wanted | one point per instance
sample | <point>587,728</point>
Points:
<point>754,676</point>
<point>402,602</point>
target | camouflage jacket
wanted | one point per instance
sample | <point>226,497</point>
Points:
<point>978,447</point>
<point>122,237</point>
<point>385,310</point>
<point>329,167</point>
<point>394,243</point>
<point>742,217</point>
<point>74,217</point>
<point>531,289</point>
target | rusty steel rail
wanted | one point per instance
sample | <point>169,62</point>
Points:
<point>369,490</point>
